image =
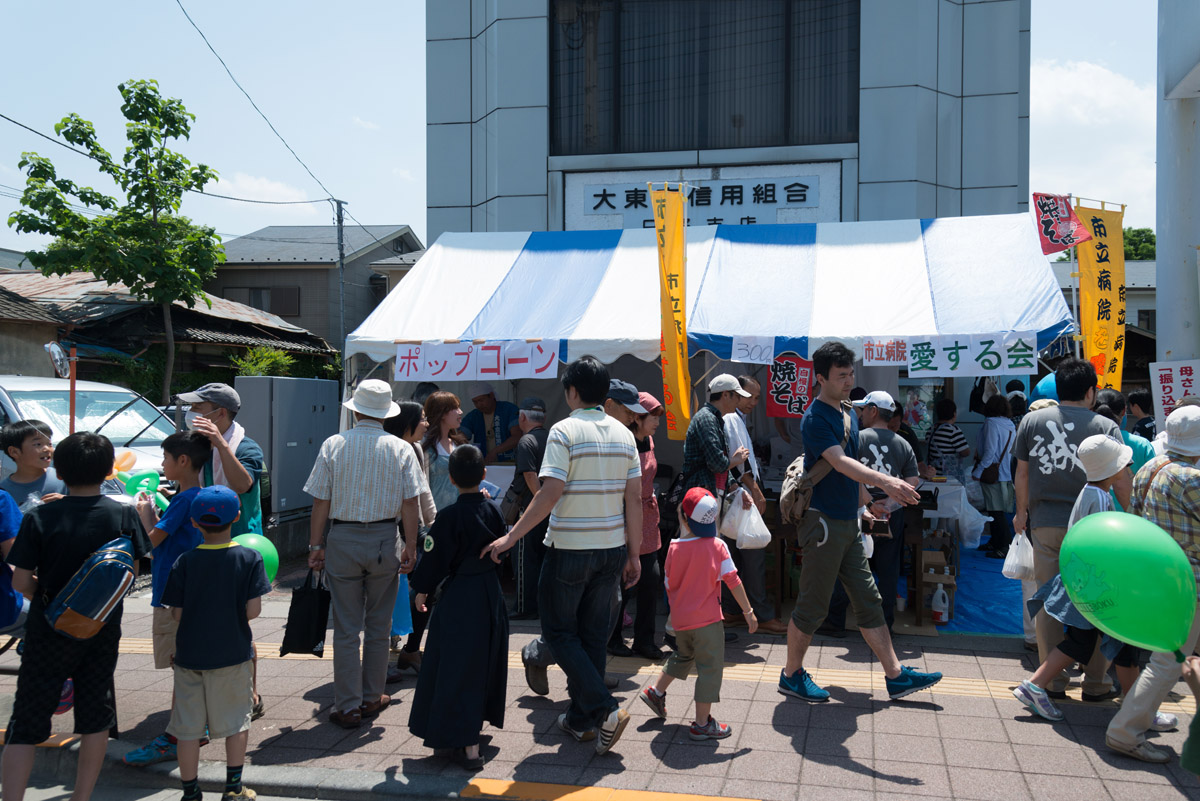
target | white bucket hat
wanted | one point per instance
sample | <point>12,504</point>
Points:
<point>1103,457</point>
<point>1183,431</point>
<point>374,399</point>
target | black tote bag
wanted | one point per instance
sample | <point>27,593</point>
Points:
<point>307,618</point>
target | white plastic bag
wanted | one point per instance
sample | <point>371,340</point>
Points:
<point>744,525</point>
<point>868,545</point>
<point>1019,562</point>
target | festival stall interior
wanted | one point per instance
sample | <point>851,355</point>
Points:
<point>930,306</point>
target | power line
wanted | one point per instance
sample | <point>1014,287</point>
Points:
<point>252,103</point>
<point>85,154</point>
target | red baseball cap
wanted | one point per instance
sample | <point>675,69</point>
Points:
<point>701,508</point>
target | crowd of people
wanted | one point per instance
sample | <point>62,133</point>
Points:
<point>410,546</point>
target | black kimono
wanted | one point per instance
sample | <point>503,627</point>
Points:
<point>464,674</point>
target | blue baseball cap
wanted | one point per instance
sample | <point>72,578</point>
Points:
<point>215,506</point>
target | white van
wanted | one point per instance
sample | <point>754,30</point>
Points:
<point>125,417</point>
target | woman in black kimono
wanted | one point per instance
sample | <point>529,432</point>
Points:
<point>464,673</point>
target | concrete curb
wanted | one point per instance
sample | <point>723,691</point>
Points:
<point>266,780</point>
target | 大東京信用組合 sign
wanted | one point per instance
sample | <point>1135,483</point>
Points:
<point>475,361</point>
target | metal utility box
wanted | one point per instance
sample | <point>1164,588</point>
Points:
<point>289,418</point>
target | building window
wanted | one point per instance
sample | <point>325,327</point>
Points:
<point>1147,320</point>
<point>283,301</point>
<point>635,76</point>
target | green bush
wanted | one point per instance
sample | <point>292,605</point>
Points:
<point>263,360</point>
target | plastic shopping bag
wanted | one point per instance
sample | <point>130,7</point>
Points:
<point>746,526</point>
<point>752,531</point>
<point>1019,562</point>
<point>868,545</point>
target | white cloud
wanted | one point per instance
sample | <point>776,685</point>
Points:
<point>367,124</point>
<point>1092,133</point>
<point>258,188</point>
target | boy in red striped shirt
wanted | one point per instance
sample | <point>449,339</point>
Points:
<point>697,562</point>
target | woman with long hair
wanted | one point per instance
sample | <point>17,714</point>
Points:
<point>649,586</point>
<point>444,413</point>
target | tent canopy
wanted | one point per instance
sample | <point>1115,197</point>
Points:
<point>597,291</point>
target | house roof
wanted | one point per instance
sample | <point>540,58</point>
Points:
<point>16,308</point>
<point>13,260</point>
<point>398,261</point>
<point>1138,274</point>
<point>301,244</point>
<point>82,298</point>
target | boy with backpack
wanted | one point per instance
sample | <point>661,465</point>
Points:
<point>54,542</point>
<point>214,591</point>
<point>185,453</point>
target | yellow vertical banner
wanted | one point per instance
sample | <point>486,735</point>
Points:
<point>670,223</point>
<point>1102,293</point>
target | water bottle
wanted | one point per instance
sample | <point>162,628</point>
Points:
<point>940,605</point>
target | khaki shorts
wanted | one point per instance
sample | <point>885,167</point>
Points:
<point>219,699</point>
<point>705,648</point>
<point>163,629</point>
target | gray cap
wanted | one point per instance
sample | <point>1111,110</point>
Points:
<point>532,404</point>
<point>625,394</point>
<point>221,395</point>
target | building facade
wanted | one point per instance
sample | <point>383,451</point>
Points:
<point>555,114</point>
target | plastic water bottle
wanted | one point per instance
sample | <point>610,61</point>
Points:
<point>940,605</point>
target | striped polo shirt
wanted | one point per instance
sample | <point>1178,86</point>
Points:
<point>594,455</point>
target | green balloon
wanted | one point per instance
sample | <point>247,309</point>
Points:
<point>1130,579</point>
<point>263,545</point>
<point>146,482</point>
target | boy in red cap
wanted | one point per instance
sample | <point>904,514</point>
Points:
<point>697,562</point>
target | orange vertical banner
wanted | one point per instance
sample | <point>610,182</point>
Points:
<point>1102,293</point>
<point>670,223</point>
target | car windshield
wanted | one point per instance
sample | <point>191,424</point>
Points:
<point>92,409</point>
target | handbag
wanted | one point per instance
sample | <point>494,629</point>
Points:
<point>991,473</point>
<point>511,506</point>
<point>308,617</point>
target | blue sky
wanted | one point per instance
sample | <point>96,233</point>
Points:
<point>345,84</point>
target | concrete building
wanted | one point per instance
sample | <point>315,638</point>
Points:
<point>554,114</point>
<point>291,272</point>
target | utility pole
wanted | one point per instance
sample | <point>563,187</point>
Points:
<point>341,274</point>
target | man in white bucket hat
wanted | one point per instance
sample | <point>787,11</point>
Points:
<point>363,481</point>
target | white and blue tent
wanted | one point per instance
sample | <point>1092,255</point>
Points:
<point>597,291</point>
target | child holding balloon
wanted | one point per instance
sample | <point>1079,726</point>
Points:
<point>184,455</point>
<point>1106,462</point>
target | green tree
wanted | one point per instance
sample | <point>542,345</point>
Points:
<point>1139,244</point>
<point>143,243</point>
<point>263,360</point>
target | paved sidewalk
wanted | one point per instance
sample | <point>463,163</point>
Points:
<point>967,740</point>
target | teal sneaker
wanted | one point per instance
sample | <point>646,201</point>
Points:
<point>160,749</point>
<point>910,681</point>
<point>801,685</point>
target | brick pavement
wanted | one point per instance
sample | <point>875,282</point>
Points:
<point>967,740</point>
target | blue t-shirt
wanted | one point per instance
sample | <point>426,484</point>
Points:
<point>182,537</point>
<point>212,585</point>
<point>10,523</point>
<point>20,492</point>
<point>822,429</point>
<point>505,418</point>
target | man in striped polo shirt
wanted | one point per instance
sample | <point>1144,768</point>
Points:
<point>591,490</point>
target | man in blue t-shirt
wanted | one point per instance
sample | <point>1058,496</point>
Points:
<point>829,534</point>
<point>494,425</point>
<point>13,605</point>
<point>185,454</point>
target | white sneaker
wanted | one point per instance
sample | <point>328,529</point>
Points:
<point>1164,721</point>
<point>1036,699</point>
<point>1143,751</point>
<point>611,730</point>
